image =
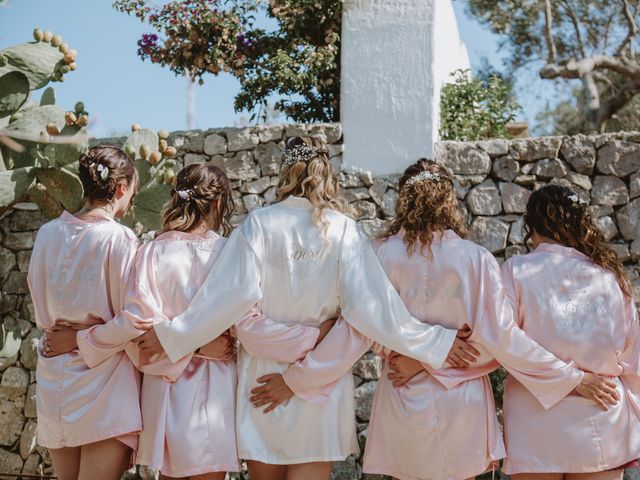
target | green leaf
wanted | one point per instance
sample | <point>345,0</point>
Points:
<point>48,97</point>
<point>14,92</point>
<point>62,185</point>
<point>14,184</point>
<point>148,204</point>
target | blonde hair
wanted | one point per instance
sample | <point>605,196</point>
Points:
<point>198,187</point>
<point>312,178</point>
<point>427,203</point>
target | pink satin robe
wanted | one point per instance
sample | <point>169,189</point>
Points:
<point>442,424</point>
<point>79,268</point>
<point>188,407</point>
<point>576,310</point>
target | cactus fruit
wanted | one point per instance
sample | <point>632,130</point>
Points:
<point>83,121</point>
<point>162,145</point>
<point>56,40</point>
<point>47,36</point>
<point>52,129</point>
<point>130,150</point>
<point>64,69</point>
<point>135,127</point>
<point>73,66</point>
<point>155,157</point>
<point>38,35</point>
<point>70,56</point>
<point>163,134</point>
<point>145,151</point>
<point>169,176</point>
<point>79,107</point>
<point>63,48</point>
<point>170,152</point>
<point>70,118</point>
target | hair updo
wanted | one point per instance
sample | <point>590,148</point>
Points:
<point>306,172</point>
<point>198,187</point>
<point>102,169</point>
<point>558,213</point>
<point>427,203</point>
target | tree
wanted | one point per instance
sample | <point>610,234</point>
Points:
<point>297,63</point>
<point>476,108</point>
<point>594,41</point>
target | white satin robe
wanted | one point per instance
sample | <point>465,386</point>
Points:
<point>442,424</point>
<point>80,268</point>
<point>188,407</point>
<point>576,310</point>
<point>280,260</point>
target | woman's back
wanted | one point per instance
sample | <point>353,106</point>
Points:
<point>80,267</point>
<point>571,306</point>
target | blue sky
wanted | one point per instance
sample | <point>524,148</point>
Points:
<point>119,89</point>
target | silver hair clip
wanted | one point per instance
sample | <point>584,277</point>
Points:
<point>423,176</point>
<point>185,194</point>
<point>299,153</point>
<point>576,200</point>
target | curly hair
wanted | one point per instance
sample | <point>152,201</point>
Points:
<point>198,187</point>
<point>557,213</point>
<point>101,169</point>
<point>313,179</point>
<point>424,206</point>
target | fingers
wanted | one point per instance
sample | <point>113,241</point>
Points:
<point>464,332</point>
<point>273,405</point>
<point>145,326</point>
<point>455,361</point>
<point>266,378</point>
<point>466,356</point>
<point>471,350</point>
<point>260,389</point>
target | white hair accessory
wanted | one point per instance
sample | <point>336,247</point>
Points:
<point>299,153</point>
<point>423,176</point>
<point>576,200</point>
<point>185,194</point>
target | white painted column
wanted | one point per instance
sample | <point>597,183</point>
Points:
<point>389,105</point>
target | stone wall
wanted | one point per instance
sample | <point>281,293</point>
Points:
<point>493,180</point>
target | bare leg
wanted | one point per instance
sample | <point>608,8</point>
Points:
<point>209,476</point>
<point>66,462</point>
<point>538,476</point>
<point>105,460</point>
<point>608,475</point>
<point>309,471</point>
<point>266,471</point>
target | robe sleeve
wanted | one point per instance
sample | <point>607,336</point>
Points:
<point>548,378</point>
<point>270,340</point>
<point>629,359</point>
<point>230,290</point>
<point>98,343</point>
<point>371,305</point>
<point>313,378</point>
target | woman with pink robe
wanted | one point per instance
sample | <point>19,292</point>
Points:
<point>188,407</point>
<point>570,295</point>
<point>439,424</point>
<point>88,418</point>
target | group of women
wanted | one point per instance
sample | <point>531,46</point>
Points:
<point>246,344</point>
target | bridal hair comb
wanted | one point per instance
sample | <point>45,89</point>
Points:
<point>299,153</point>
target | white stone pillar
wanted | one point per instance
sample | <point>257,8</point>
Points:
<point>391,50</point>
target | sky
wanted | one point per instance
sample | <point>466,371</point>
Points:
<point>119,89</point>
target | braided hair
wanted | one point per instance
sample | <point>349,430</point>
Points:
<point>101,169</point>
<point>198,187</point>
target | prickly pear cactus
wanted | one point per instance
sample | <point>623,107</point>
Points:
<point>153,158</point>
<point>39,142</point>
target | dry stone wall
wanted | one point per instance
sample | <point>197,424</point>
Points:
<point>493,182</point>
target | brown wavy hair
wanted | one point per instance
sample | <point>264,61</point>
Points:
<point>204,184</point>
<point>552,213</point>
<point>425,206</point>
<point>314,180</point>
<point>120,170</point>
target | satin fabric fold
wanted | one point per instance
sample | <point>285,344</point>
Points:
<point>79,268</point>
